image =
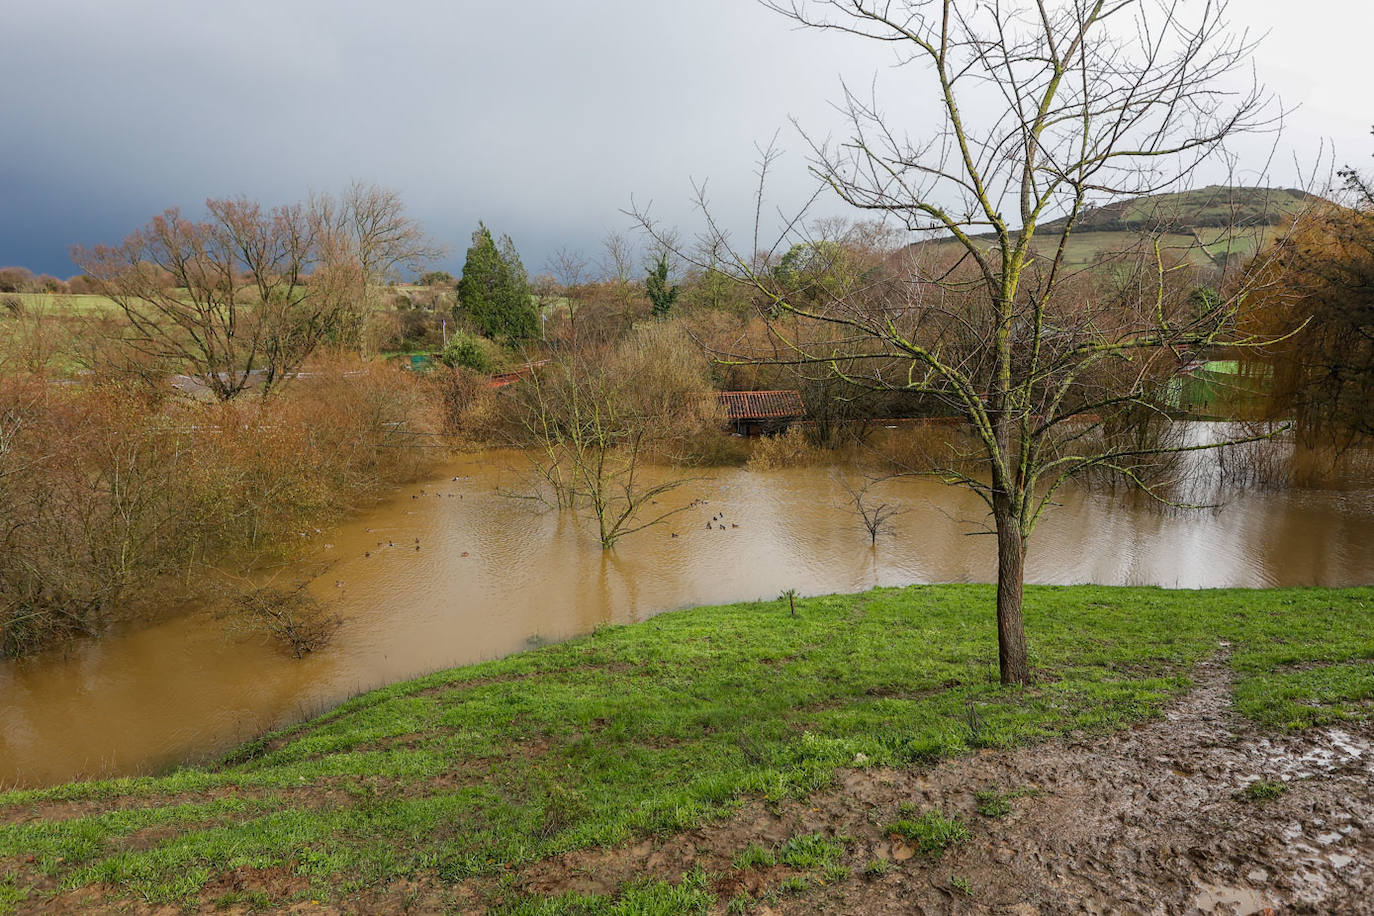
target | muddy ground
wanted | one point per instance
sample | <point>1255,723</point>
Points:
<point>1153,820</point>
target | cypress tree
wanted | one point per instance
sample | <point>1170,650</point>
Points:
<point>494,291</point>
<point>661,295</point>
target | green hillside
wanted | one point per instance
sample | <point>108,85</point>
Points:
<point>1210,225</point>
<point>1216,207</point>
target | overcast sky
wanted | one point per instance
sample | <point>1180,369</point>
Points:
<point>540,117</point>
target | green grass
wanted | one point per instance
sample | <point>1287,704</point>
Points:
<point>1263,790</point>
<point>932,832</point>
<point>65,304</point>
<point>995,803</point>
<point>662,726</point>
<point>1197,221</point>
<point>1086,248</point>
<point>639,898</point>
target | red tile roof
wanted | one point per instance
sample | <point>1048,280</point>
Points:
<point>762,405</point>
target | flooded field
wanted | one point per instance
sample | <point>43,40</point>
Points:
<point>452,571</point>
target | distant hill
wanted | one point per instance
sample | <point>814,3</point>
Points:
<point>1212,207</point>
<point>1211,225</point>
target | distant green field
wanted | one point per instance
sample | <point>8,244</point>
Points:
<point>1203,247</point>
<point>62,303</point>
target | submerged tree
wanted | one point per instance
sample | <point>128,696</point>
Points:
<point>875,517</point>
<point>591,423</point>
<point>1323,378</point>
<point>1044,109</point>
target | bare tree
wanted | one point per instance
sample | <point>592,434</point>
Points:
<point>244,296</point>
<point>226,297</point>
<point>1044,109</point>
<point>619,265</point>
<point>568,271</point>
<point>366,241</point>
<point>367,227</point>
<point>591,424</point>
<point>875,516</point>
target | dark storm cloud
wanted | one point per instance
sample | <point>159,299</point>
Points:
<point>541,117</point>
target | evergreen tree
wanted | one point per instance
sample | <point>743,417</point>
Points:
<point>494,291</point>
<point>661,295</point>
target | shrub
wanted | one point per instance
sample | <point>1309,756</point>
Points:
<point>81,285</point>
<point>715,448</point>
<point>788,450</point>
<point>108,490</point>
<point>468,352</point>
<point>15,280</point>
<point>293,617</point>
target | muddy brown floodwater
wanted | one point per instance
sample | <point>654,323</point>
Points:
<point>493,576</point>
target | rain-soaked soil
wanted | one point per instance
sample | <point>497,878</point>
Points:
<point>1152,820</point>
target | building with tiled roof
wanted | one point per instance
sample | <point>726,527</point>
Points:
<point>756,412</point>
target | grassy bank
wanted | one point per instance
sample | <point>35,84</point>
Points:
<point>463,781</point>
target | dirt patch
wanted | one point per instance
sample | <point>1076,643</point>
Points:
<point>278,885</point>
<point>1156,819</point>
<point>70,809</point>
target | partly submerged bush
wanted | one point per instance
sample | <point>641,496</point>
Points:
<point>787,450</point>
<point>293,617</point>
<point>106,494</point>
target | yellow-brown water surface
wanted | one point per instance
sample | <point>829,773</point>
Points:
<point>493,575</point>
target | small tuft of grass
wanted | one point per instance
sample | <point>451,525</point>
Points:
<point>809,851</point>
<point>834,874</point>
<point>995,803</point>
<point>932,832</point>
<point>755,856</point>
<point>805,852</point>
<point>1263,790</point>
<point>250,900</point>
<point>11,894</point>
<point>992,803</point>
<point>960,883</point>
<point>876,868</point>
